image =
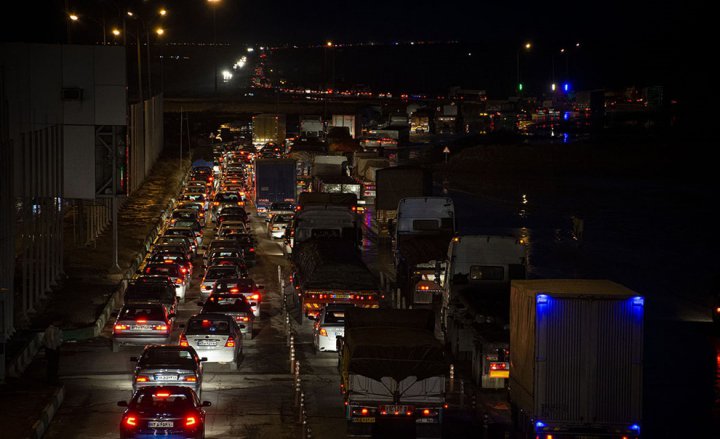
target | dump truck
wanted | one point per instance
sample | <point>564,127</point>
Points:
<point>392,185</point>
<point>392,369</point>
<point>330,270</point>
<point>423,230</point>
<point>577,359</point>
<point>475,304</point>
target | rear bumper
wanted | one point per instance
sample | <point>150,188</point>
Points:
<point>140,340</point>
<point>194,386</point>
<point>217,356</point>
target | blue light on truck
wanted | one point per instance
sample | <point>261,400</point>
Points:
<point>635,427</point>
<point>539,424</point>
<point>542,299</point>
<point>638,301</point>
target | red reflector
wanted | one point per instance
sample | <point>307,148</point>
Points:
<point>252,249</point>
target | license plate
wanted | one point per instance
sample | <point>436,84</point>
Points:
<point>161,424</point>
<point>142,327</point>
<point>207,342</point>
<point>342,296</point>
<point>499,374</point>
<point>364,420</point>
<point>392,409</point>
<point>425,420</point>
<point>166,377</point>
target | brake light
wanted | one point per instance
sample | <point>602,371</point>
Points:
<point>179,281</point>
<point>323,332</point>
<point>183,340</point>
<point>216,203</point>
<point>252,249</point>
<point>426,412</point>
<point>230,343</point>
<point>234,290</point>
<point>142,379</point>
<point>240,203</point>
<point>121,327</point>
<point>242,319</point>
<point>255,296</point>
<point>498,366</point>
<point>202,214</point>
<point>364,411</point>
<point>131,421</point>
<point>183,270</point>
<point>408,413</point>
<point>141,321</point>
<point>162,395</point>
<point>190,421</point>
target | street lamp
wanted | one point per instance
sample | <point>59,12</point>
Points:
<point>73,17</point>
<point>163,12</point>
<point>527,46</point>
<point>116,32</point>
<point>213,4</point>
<point>159,31</point>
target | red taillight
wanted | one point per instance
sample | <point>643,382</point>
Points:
<point>190,421</point>
<point>255,297</point>
<point>426,412</point>
<point>162,395</point>
<point>230,343</point>
<point>121,327</point>
<point>183,270</point>
<point>183,340</point>
<point>160,327</point>
<point>234,290</point>
<point>252,249</point>
<point>130,421</point>
<point>364,411</point>
<point>217,203</point>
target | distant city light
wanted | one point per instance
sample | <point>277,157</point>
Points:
<point>553,86</point>
<point>469,53</point>
<point>329,43</point>
<point>577,44</point>
<point>239,64</point>
<point>163,12</point>
<point>74,17</point>
<point>562,50</point>
<point>116,32</point>
<point>250,50</point>
<point>566,87</point>
<point>130,14</point>
<point>528,46</point>
<point>227,76</point>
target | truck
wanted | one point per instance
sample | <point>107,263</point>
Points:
<point>312,127</point>
<point>344,120</point>
<point>423,230</point>
<point>268,128</point>
<point>577,359</point>
<point>275,181</point>
<point>342,184</point>
<point>329,269</point>
<point>392,369</point>
<point>475,303</point>
<point>319,214</point>
<point>392,185</point>
<point>365,165</point>
<point>329,165</point>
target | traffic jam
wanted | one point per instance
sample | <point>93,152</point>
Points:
<point>397,335</point>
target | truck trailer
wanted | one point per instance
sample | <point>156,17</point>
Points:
<point>577,359</point>
<point>392,369</point>
<point>275,182</point>
<point>268,128</point>
<point>392,185</point>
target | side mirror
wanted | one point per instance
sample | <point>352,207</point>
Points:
<point>122,403</point>
<point>203,358</point>
<point>134,359</point>
<point>206,403</point>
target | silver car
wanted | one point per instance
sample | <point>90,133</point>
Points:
<point>277,226</point>
<point>214,273</point>
<point>330,325</point>
<point>162,365</point>
<point>142,324</point>
<point>233,305</point>
<point>216,337</point>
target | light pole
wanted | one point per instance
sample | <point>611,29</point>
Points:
<point>75,18</point>
<point>213,5</point>
<point>527,47</point>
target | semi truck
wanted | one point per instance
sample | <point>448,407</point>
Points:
<point>268,128</point>
<point>392,369</point>
<point>423,230</point>
<point>329,269</point>
<point>577,359</point>
<point>345,120</point>
<point>312,127</point>
<point>275,182</point>
<point>475,303</point>
<point>365,165</point>
<point>392,185</point>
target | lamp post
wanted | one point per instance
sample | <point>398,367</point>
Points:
<point>527,46</point>
<point>213,5</point>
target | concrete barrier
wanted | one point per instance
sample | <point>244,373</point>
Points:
<point>42,424</point>
<point>22,361</point>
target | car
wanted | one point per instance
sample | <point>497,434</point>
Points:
<point>238,262</point>
<point>161,256</point>
<point>233,305</point>
<point>177,272</point>
<point>197,207</point>
<point>168,365</point>
<point>214,273</point>
<point>329,325</point>
<point>214,336</point>
<point>186,214</point>
<point>280,208</point>
<point>191,224</point>
<point>164,411</point>
<point>217,244</point>
<point>153,289</point>
<point>199,198</point>
<point>277,226</point>
<point>243,286</point>
<point>142,324</point>
<point>183,241</point>
<point>195,240</point>
<point>225,199</point>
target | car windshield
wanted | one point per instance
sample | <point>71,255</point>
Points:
<point>335,316</point>
<point>208,326</point>
<point>142,313</point>
<point>218,272</point>
<point>186,223</point>
<point>180,232</point>
<point>168,356</point>
<point>234,211</point>
<point>184,214</point>
<point>227,304</point>
<point>160,399</point>
<point>227,197</point>
<point>164,269</point>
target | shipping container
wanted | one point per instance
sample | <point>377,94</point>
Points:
<point>576,351</point>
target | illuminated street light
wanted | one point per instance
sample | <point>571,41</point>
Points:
<point>577,44</point>
<point>160,31</point>
<point>553,86</point>
<point>73,17</point>
<point>130,14</point>
<point>329,43</point>
<point>227,76</point>
<point>240,63</point>
<point>562,50</point>
<point>163,12</point>
<point>250,50</point>
<point>116,32</point>
<point>528,46</point>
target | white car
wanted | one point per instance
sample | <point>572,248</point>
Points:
<point>330,325</point>
<point>214,273</point>
<point>216,337</point>
<point>277,226</point>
